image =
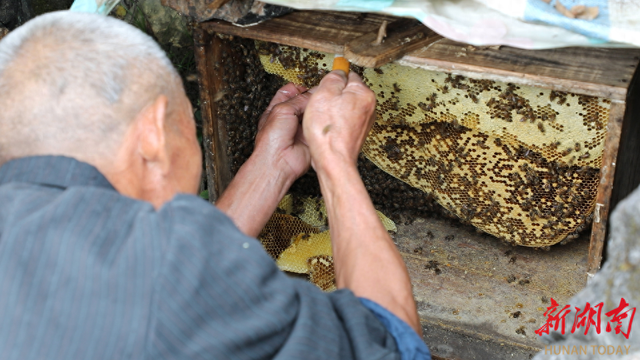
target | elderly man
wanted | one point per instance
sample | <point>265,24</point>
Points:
<point>105,253</point>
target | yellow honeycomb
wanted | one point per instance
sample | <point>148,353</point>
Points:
<point>518,162</point>
<point>300,247</point>
<point>322,273</point>
<point>279,232</point>
<point>305,246</point>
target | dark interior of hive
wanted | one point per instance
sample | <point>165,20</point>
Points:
<point>517,162</point>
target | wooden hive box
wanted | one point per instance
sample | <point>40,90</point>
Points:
<point>475,295</point>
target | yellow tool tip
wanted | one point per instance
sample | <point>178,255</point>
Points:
<point>340,63</point>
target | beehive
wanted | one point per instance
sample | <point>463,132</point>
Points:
<point>517,162</point>
<point>467,285</point>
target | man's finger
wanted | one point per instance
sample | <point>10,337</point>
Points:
<point>294,106</point>
<point>333,83</point>
<point>355,82</point>
<point>285,93</point>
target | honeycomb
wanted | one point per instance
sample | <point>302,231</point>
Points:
<point>518,162</point>
<point>295,258</point>
<point>301,247</point>
<point>322,273</point>
<point>279,230</point>
<point>314,212</point>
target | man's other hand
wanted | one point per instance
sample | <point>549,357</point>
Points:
<point>280,142</point>
<point>338,119</point>
<point>280,157</point>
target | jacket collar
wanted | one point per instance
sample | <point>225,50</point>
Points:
<point>57,171</point>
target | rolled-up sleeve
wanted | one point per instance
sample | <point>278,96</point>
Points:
<point>220,296</point>
<point>410,345</point>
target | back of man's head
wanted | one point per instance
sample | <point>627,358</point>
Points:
<point>71,83</point>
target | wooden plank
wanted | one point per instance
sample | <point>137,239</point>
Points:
<point>208,50</point>
<point>402,36</point>
<point>201,38</point>
<point>603,198</point>
<point>590,71</point>
<point>321,31</point>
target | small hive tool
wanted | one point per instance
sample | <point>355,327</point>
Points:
<point>340,63</point>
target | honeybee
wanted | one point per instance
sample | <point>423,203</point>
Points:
<point>583,170</point>
<point>534,214</point>
<point>426,107</point>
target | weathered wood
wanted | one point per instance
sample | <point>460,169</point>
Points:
<point>321,31</point>
<point>201,39</point>
<point>402,36</point>
<point>208,59</point>
<point>603,197</point>
<point>590,71</point>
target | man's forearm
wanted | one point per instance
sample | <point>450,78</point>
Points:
<point>253,195</point>
<point>366,259</point>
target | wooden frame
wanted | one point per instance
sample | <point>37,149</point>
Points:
<point>605,73</point>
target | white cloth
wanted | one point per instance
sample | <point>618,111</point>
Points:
<point>528,24</point>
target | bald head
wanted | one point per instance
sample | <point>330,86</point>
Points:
<point>72,83</point>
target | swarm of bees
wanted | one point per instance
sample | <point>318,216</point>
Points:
<point>246,90</point>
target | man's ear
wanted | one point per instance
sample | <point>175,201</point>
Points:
<point>151,123</point>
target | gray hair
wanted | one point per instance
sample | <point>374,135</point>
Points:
<point>71,83</point>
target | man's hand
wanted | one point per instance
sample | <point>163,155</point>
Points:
<point>279,139</point>
<point>279,158</point>
<point>336,123</point>
<point>338,119</point>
